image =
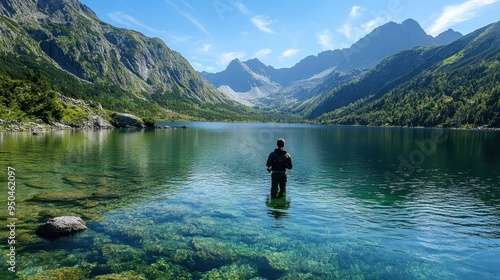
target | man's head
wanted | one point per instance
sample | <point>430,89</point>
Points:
<point>280,143</point>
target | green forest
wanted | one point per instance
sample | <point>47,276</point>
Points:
<point>29,88</point>
<point>29,98</point>
<point>467,97</point>
<point>457,85</point>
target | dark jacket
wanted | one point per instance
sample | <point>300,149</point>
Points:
<point>274,155</point>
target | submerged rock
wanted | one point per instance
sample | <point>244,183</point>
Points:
<point>66,272</point>
<point>60,226</point>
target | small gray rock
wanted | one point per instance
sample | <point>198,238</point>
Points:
<point>60,226</point>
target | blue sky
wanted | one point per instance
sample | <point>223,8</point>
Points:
<point>211,33</point>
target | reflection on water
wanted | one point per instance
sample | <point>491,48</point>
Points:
<point>194,204</point>
<point>277,207</point>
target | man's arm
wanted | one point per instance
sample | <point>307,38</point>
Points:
<point>288,161</point>
<point>269,161</point>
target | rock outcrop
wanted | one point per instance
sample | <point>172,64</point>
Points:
<point>81,114</point>
<point>92,116</point>
<point>70,35</point>
<point>60,226</point>
<point>127,120</point>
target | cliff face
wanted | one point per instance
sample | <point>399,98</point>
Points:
<point>70,35</point>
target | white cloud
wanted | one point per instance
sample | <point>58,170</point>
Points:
<point>455,14</point>
<point>358,24</point>
<point>356,11</point>
<point>354,28</point>
<point>242,8</point>
<point>262,53</point>
<point>201,67</point>
<point>189,6</point>
<point>130,21</point>
<point>197,66</point>
<point>325,39</point>
<point>189,17</point>
<point>289,53</point>
<point>205,48</point>
<point>176,38</point>
<point>349,31</point>
<point>225,58</point>
<point>368,26</point>
<point>262,23</point>
<point>197,24</point>
<point>209,69</point>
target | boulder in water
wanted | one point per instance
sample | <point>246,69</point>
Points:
<point>60,226</point>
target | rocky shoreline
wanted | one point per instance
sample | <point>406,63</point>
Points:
<point>120,120</point>
<point>88,115</point>
<point>91,115</point>
<point>35,127</point>
<point>130,121</point>
<point>126,121</point>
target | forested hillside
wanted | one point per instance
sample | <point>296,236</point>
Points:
<point>457,85</point>
<point>66,45</point>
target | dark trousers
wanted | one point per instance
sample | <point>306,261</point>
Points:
<point>278,179</point>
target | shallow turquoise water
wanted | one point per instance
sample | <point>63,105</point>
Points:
<point>362,203</point>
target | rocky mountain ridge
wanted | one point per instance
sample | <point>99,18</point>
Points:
<point>70,36</point>
<point>241,83</point>
<point>455,85</point>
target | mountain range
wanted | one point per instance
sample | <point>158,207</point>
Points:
<point>251,82</point>
<point>397,75</point>
<point>122,69</point>
<point>455,85</point>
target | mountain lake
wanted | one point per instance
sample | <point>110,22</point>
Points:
<point>193,203</point>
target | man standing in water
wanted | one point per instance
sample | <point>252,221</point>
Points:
<point>277,163</point>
